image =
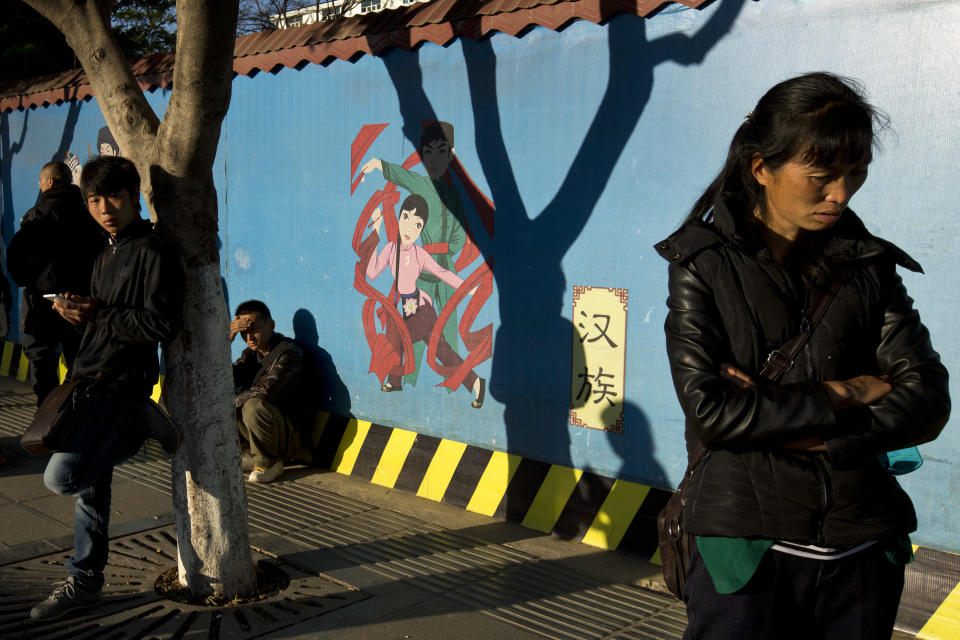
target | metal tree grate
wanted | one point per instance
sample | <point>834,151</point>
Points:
<point>131,609</point>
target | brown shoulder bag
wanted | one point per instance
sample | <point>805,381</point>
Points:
<point>53,425</point>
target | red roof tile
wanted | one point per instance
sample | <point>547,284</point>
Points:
<point>438,22</point>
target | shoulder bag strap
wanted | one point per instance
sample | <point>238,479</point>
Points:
<point>781,360</point>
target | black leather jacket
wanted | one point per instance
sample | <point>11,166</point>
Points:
<point>730,302</point>
<point>56,245</point>
<point>277,377</point>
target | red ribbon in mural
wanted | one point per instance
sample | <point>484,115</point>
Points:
<point>479,343</point>
<point>361,144</point>
<point>383,356</point>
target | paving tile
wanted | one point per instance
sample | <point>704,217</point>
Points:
<point>57,508</point>
<point>20,525</point>
<point>22,479</point>
<point>434,619</point>
<point>131,501</point>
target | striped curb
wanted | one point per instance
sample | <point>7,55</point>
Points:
<point>599,511</point>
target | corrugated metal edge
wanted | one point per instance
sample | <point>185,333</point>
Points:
<point>434,22</point>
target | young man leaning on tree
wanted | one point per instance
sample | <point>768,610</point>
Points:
<point>134,304</point>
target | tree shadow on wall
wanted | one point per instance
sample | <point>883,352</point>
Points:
<point>8,149</point>
<point>532,347</point>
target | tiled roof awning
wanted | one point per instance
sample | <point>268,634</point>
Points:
<point>438,22</point>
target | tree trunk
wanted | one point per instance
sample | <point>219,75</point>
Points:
<point>175,159</point>
<point>208,492</point>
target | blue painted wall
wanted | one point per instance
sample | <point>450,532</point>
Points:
<point>593,143</point>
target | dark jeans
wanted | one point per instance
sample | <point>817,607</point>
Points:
<point>88,476</point>
<point>45,333</point>
<point>792,598</point>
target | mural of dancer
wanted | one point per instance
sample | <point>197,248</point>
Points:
<point>106,143</point>
<point>428,284</point>
<point>408,262</point>
<point>444,237</point>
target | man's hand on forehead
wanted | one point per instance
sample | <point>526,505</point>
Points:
<point>242,324</point>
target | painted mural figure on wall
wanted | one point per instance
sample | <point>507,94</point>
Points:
<point>443,236</point>
<point>427,286</point>
<point>106,146</point>
<point>409,262</point>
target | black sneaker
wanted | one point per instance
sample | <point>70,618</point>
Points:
<point>161,428</point>
<point>66,597</point>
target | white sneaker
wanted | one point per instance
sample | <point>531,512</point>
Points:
<point>271,473</point>
<point>246,461</point>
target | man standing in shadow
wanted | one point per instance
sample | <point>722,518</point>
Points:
<point>53,251</point>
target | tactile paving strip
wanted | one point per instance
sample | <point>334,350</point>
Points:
<point>556,602</point>
<point>518,588</point>
<point>437,560</point>
<point>131,609</point>
<point>18,410</point>
<point>280,507</point>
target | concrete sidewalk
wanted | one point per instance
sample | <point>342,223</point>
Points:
<point>364,562</point>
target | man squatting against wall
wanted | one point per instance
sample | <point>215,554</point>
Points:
<point>271,399</point>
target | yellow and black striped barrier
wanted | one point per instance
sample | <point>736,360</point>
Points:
<point>13,364</point>
<point>600,511</point>
<point>603,512</point>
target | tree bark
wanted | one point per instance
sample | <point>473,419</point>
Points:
<point>175,159</point>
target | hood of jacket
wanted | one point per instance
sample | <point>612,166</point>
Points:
<point>845,243</point>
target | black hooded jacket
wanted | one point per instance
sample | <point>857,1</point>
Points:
<point>730,302</point>
<point>139,284</point>
<point>53,252</point>
<point>56,245</point>
<point>277,377</point>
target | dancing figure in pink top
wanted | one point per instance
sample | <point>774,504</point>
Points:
<point>407,260</point>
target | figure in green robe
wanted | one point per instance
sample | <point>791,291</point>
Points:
<point>443,236</point>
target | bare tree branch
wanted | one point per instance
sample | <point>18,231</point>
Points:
<point>202,81</point>
<point>86,26</point>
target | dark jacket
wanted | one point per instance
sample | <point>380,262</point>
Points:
<point>730,302</point>
<point>276,377</point>
<point>139,284</point>
<point>56,245</point>
<point>53,252</point>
